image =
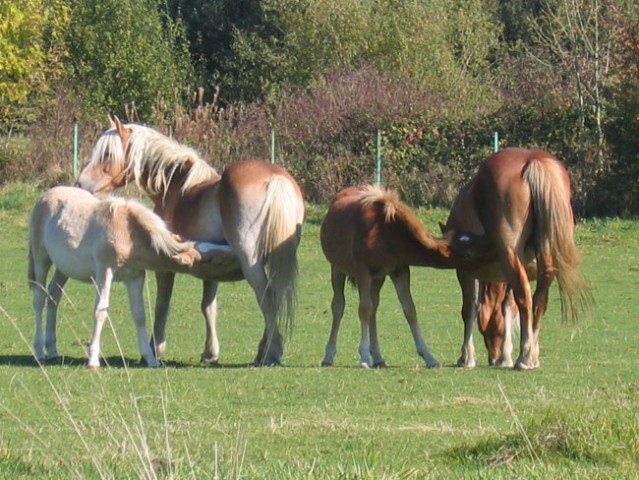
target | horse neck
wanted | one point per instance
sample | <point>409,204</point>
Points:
<point>424,249</point>
<point>175,199</point>
<point>436,256</point>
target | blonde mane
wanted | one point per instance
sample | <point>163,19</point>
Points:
<point>152,159</point>
<point>395,209</point>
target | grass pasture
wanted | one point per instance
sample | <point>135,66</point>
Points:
<point>575,417</point>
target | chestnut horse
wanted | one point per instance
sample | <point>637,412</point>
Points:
<point>520,201</point>
<point>99,242</point>
<point>367,235</point>
<point>255,207</point>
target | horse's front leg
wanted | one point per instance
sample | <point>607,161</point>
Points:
<point>58,282</point>
<point>469,287</point>
<point>338,280</point>
<point>103,282</point>
<point>135,290</point>
<point>211,353</point>
<point>511,315</point>
<point>165,282</point>
<point>401,281</point>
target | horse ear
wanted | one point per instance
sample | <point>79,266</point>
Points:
<point>111,122</point>
<point>445,249</point>
<point>442,228</point>
<point>448,236</point>
<point>123,131</point>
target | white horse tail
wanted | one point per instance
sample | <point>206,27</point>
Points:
<point>554,232</point>
<point>31,271</point>
<point>280,238</point>
<point>35,235</point>
<point>163,240</point>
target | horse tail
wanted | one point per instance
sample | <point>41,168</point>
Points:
<point>163,241</point>
<point>31,269</point>
<point>35,236</point>
<point>279,240</point>
<point>554,232</point>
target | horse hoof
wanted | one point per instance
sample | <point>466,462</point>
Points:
<point>327,364</point>
<point>522,367</point>
<point>463,363</point>
<point>39,362</point>
<point>381,364</point>
<point>267,363</point>
<point>364,365</point>
<point>433,365</point>
<point>210,359</point>
<point>93,368</point>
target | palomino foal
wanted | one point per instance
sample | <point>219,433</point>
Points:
<point>97,241</point>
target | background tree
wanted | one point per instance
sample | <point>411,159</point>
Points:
<point>253,49</point>
<point>436,77</point>
<point>127,53</point>
<point>31,56</point>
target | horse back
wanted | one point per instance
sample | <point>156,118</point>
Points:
<point>249,192</point>
<point>345,233</point>
<point>370,227</point>
<point>244,183</point>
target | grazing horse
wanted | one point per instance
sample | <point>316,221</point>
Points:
<point>97,241</point>
<point>255,207</point>
<point>520,201</point>
<point>367,235</point>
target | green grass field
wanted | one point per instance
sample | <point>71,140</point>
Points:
<point>575,417</point>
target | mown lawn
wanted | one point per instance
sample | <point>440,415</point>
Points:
<point>575,417</point>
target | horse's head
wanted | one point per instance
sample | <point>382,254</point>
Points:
<point>468,249</point>
<point>106,168</point>
<point>493,313</point>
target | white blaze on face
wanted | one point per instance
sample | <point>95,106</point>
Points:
<point>464,238</point>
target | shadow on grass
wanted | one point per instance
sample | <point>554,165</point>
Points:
<point>110,362</point>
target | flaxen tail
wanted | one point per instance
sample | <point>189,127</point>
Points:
<point>280,238</point>
<point>35,237</point>
<point>554,232</point>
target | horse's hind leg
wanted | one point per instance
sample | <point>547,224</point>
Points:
<point>338,279</point>
<point>540,304</point>
<point>135,290</point>
<point>271,345</point>
<point>165,281</point>
<point>375,351</point>
<point>469,288</point>
<point>518,279</point>
<point>401,280</point>
<point>365,310</point>
<point>211,353</point>
<point>56,285</point>
<point>39,298</point>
